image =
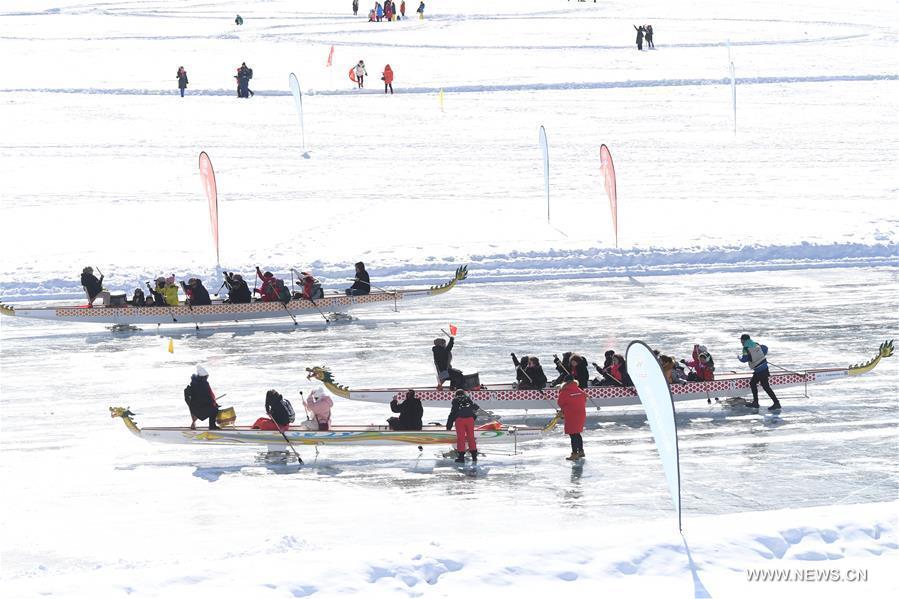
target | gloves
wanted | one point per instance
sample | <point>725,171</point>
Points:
<point>683,361</point>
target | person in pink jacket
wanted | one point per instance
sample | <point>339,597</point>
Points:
<point>319,406</point>
<point>702,365</point>
<point>573,403</point>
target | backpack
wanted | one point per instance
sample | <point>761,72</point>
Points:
<point>250,73</point>
<point>280,408</point>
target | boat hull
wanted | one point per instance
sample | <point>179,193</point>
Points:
<point>339,435</point>
<point>504,397</point>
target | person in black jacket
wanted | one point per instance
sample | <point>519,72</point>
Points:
<point>361,282</point>
<point>200,399</point>
<point>563,367</point>
<point>443,359</point>
<point>462,415</point>
<point>279,409</point>
<point>238,290</point>
<point>93,287</point>
<point>577,366</point>
<point>640,32</point>
<point>536,374</point>
<point>197,295</point>
<point>649,44</point>
<point>182,80</point>
<point>521,374</point>
<point>410,412</point>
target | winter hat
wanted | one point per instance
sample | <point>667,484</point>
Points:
<point>201,371</point>
<point>702,349</point>
<point>461,394</point>
<point>744,337</point>
<point>170,280</point>
<point>440,341</point>
<point>88,269</point>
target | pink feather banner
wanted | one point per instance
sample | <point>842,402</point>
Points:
<point>208,177</point>
<point>608,171</point>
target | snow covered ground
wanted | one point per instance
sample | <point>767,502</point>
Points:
<point>786,230</point>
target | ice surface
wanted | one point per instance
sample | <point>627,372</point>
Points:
<point>786,230</point>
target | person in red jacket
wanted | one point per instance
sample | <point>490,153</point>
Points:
<point>387,77</point>
<point>573,403</point>
<point>268,290</point>
<point>702,364</point>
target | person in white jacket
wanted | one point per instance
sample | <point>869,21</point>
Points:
<point>360,73</point>
<point>319,406</point>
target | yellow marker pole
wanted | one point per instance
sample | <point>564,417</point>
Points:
<point>440,99</point>
<point>171,346</point>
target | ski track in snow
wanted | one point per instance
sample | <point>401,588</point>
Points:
<point>581,85</point>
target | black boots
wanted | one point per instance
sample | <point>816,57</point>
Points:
<point>474,455</point>
<point>775,406</point>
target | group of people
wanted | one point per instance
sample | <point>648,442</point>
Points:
<point>644,31</point>
<point>358,74</point>
<point>388,11</point>
<point>271,289</point>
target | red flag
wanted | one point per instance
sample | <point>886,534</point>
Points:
<point>353,74</point>
<point>608,170</point>
<point>453,330</point>
<point>330,56</point>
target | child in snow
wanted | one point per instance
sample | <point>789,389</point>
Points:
<point>360,71</point>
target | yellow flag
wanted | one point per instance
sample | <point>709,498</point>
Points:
<point>440,98</point>
<point>171,346</point>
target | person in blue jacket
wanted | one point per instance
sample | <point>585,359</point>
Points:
<point>755,355</point>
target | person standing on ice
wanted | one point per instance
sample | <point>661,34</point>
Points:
<point>443,359</point>
<point>387,78</point>
<point>403,9</point>
<point>238,20</point>
<point>640,32</point>
<point>319,406</point>
<point>573,403</point>
<point>182,80</point>
<point>379,11</point>
<point>421,10</point>
<point>200,399</point>
<point>649,44</point>
<point>755,355</point>
<point>360,72</point>
<point>355,7</point>
<point>244,74</point>
<point>462,414</point>
<point>93,287</point>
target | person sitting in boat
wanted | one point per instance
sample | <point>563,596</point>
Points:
<point>319,405</point>
<point>578,369</point>
<point>267,290</point>
<point>563,367</point>
<point>531,373</point>
<point>521,367</point>
<point>200,399</point>
<point>312,288</point>
<point>138,299</point>
<point>604,369</point>
<point>667,364</point>
<point>197,295</point>
<point>167,290</point>
<point>279,409</point>
<point>238,290</point>
<point>756,355</point>
<point>361,282</point>
<point>410,412</point>
<point>702,364</point>
<point>462,414</point>
<point>573,403</point>
<point>443,359</point>
<point>93,287</point>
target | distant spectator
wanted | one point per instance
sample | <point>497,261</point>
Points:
<point>182,80</point>
<point>387,77</point>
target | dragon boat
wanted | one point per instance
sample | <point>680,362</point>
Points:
<point>219,311</point>
<point>492,433</point>
<point>507,397</point>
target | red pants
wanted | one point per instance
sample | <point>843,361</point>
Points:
<point>465,430</point>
